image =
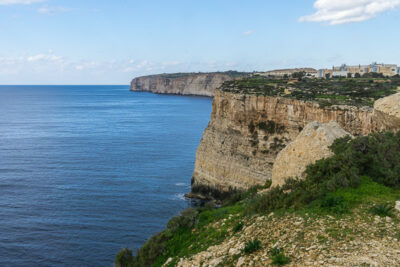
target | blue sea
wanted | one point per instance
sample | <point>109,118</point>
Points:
<point>88,170</point>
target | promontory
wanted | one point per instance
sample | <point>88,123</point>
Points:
<point>200,84</point>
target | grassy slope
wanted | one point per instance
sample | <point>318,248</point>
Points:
<point>361,180</point>
<point>219,225</point>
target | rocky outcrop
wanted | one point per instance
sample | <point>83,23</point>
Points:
<point>352,240</point>
<point>309,146</point>
<point>387,109</point>
<point>246,133</point>
<point>202,84</point>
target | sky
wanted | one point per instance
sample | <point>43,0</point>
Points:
<point>113,41</point>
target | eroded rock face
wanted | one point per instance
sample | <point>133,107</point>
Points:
<point>202,84</point>
<point>389,105</point>
<point>387,110</point>
<point>246,133</point>
<point>309,146</point>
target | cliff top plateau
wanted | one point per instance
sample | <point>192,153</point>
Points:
<point>327,92</point>
<point>201,84</point>
<point>232,73</point>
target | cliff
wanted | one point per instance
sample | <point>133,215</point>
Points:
<point>202,84</point>
<point>312,144</point>
<point>344,212</point>
<point>247,131</point>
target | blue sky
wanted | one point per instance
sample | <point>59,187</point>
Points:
<point>110,42</point>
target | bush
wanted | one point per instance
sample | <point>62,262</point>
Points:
<point>124,258</point>
<point>238,227</point>
<point>188,219</point>
<point>376,155</point>
<point>382,210</point>
<point>268,184</point>
<point>239,196</point>
<point>335,204</point>
<point>271,127</point>
<point>278,257</point>
<point>252,246</point>
<point>151,250</point>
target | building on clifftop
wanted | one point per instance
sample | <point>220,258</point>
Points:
<point>345,70</point>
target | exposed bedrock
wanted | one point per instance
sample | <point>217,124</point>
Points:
<point>201,84</point>
<point>309,146</point>
<point>246,132</point>
<point>387,110</point>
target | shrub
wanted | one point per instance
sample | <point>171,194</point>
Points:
<point>376,155</point>
<point>268,184</point>
<point>252,246</point>
<point>152,249</point>
<point>335,204</point>
<point>271,127</point>
<point>209,205</point>
<point>124,258</point>
<point>238,227</point>
<point>241,195</point>
<point>278,257</point>
<point>382,210</point>
<point>188,219</point>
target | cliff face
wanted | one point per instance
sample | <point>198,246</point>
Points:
<point>310,145</point>
<point>246,132</point>
<point>202,84</point>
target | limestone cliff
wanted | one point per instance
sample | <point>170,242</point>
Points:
<point>247,131</point>
<point>202,84</point>
<point>387,109</point>
<point>309,146</point>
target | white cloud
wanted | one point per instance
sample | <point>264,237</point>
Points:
<point>43,57</point>
<point>249,32</point>
<point>346,11</point>
<point>49,68</point>
<point>46,10</point>
<point>13,2</point>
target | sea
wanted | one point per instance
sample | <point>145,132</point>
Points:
<point>88,170</point>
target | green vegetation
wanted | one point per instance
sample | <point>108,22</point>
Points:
<point>383,210</point>
<point>252,246</point>
<point>271,127</point>
<point>124,258</point>
<point>238,227</point>
<point>327,92</point>
<point>376,156</point>
<point>363,174</point>
<point>278,257</point>
<point>188,239</point>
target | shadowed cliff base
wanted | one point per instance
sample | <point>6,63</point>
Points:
<point>217,194</point>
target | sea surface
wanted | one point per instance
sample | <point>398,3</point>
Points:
<point>88,170</point>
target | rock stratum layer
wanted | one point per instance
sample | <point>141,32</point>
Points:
<point>309,146</point>
<point>246,133</point>
<point>201,84</point>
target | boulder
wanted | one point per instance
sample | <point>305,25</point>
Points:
<point>397,207</point>
<point>387,111</point>
<point>389,105</point>
<point>310,145</point>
